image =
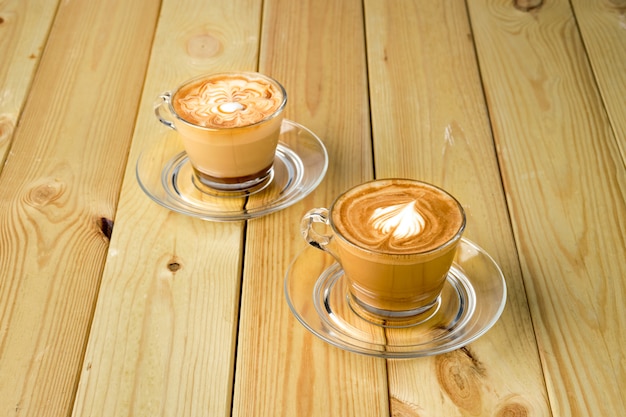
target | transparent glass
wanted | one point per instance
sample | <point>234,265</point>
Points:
<point>165,174</point>
<point>384,282</point>
<point>235,154</point>
<point>471,302</point>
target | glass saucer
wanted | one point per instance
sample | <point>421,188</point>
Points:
<point>165,174</point>
<point>470,304</point>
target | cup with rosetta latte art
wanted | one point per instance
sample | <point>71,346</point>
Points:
<point>395,240</point>
<point>229,124</point>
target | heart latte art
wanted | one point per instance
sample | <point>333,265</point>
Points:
<point>400,221</point>
<point>397,217</point>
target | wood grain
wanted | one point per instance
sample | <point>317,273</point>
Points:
<point>316,49</point>
<point>430,122</point>
<point>565,182</point>
<point>58,194</point>
<point>130,309</point>
<point>24,30</point>
<point>164,331</point>
<point>602,25</point>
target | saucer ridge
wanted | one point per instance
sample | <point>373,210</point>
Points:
<point>471,302</point>
<point>164,173</point>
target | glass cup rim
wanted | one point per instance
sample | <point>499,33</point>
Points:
<point>399,256</point>
<point>171,94</point>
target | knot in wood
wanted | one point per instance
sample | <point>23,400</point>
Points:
<point>203,46</point>
<point>460,375</point>
<point>527,5</point>
<point>106,226</point>
<point>173,265</point>
<point>44,194</point>
<point>513,410</point>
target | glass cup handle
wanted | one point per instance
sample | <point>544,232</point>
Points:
<point>160,108</point>
<point>312,236</point>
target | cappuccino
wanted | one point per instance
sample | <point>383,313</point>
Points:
<point>397,217</point>
<point>228,100</point>
<point>395,240</point>
<point>229,124</point>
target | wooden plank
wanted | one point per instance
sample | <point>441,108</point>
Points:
<point>24,27</point>
<point>315,47</point>
<point>602,25</point>
<point>164,331</point>
<point>565,182</point>
<point>430,122</point>
<point>58,194</point>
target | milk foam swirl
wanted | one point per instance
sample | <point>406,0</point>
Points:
<point>401,220</point>
<point>228,100</point>
<point>397,216</point>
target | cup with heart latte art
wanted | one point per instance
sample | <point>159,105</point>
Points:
<point>395,240</point>
<point>229,124</point>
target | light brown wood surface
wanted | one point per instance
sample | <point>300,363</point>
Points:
<point>282,369</point>
<point>58,193</point>
<point>24,28</point>
<point>111,305</point>
<point>164,331</point>
<point>566,181</point>
<point>431,123</point>
<point>602,26</point>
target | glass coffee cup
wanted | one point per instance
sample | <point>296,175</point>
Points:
<point>229,124</point>
<point>395,240</point>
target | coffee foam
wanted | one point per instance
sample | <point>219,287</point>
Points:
<point>228,100</point>
<point>397,216</point>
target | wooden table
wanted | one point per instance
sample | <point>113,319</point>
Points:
<point>111,305</point>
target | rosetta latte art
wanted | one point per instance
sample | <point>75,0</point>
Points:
<point>228,102</point>
<point>397,216</point>
<point>401,221</point>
